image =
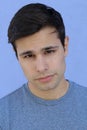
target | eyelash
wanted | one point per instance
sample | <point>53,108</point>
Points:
<point>28,56</point>
<point>49,51</point>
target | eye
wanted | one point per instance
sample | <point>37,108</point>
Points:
<point>29,56</point>
<point>49,51</point>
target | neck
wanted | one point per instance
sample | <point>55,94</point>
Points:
<point>51,94</point>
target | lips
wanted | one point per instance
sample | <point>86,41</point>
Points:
<point>46,78</point>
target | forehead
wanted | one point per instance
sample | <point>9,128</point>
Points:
<point>44,38</point>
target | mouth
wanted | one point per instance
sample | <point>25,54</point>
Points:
<point>45,79</point>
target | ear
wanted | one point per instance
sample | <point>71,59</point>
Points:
<point>66,45</point>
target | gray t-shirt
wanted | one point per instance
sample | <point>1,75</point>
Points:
<point>21,110</point>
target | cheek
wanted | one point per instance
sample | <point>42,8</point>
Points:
<point>27,69</point>
<point>58,65</point>
<point>58,61</point>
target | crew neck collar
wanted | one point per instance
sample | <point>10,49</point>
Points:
<point>49,102</point>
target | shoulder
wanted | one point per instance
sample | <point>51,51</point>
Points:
<point>11,101</point>
<point>79,91</point>
<point>13,95</point>
<point>77,86</point>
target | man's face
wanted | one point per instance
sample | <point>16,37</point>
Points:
<point>42,58</point>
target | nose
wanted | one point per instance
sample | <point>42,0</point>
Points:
<point>41,64</point>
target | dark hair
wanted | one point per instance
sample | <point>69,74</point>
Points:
<point>33,17</point>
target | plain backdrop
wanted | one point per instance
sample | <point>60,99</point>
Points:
<point>74,13</point>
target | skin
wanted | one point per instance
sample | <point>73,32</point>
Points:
<point>42,58</point>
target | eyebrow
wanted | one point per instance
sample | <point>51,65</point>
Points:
<point>53,32</point>
<point>50,47</point>
<point>43,49</point>
<point>26,53</point>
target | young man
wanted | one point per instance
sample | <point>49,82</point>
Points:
<point>48,101</point>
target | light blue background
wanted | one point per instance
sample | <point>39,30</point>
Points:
<point>74,13</point>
